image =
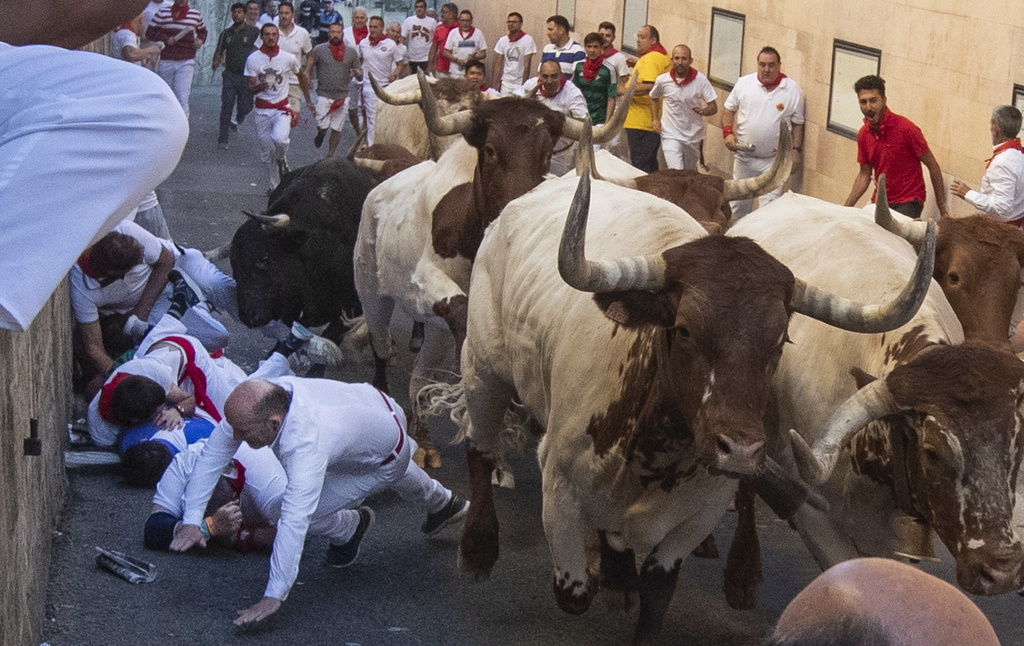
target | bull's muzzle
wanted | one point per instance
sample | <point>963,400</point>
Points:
<point>990,572</point>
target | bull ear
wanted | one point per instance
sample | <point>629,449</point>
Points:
<point>634,309</point>
<point>862,378</point>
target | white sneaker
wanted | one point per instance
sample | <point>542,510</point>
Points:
<point>316,348</point>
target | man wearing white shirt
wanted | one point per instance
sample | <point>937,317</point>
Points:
<point>418,32</point>
<point>465,43</point>
<point>295,40</point>
<point>515,52</point>
<point>686,97</point>
<point>355,34</point>
<point>382,58</point>
<point>754,110</point>
<point>1001,195</point>
<point>338,444</point>
<point>613,58</point>
<point>270,16</point>
<point>559,94</point>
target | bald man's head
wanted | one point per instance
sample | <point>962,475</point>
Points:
<point>256,410</point>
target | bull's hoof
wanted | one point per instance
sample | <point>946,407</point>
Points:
<point>419,457</point>
<point>707,549</point>
<point>742,594</point>
<point>503,478</point>
<point>432,459</point>
<point>573,596</point>
<point>478,551</point>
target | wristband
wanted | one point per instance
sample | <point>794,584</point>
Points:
<point>204,529</point>
<point>726,131</point>
<point>181,411</point>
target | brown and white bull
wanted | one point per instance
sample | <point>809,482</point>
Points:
<point>420,229</point>
<point>912,429</point>
<point>649,369</point>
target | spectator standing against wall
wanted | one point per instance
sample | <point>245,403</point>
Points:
<point>892,145</point>
<point>465,43</point>
<point>758,103</point>
<point>595,80</point>
<point>437,63</point>
<point>686,97</point>
<point>418,32</point>
<point>515,52</point>
<point>1001,195</point>
<point>653,62</point>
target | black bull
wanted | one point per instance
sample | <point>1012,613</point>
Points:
<point>299,268</point>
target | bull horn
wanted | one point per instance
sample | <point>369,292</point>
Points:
<point>221,252</point>
<point>912,231</point>
<point>360,138</point>
<point>620,274</point>
<point>871,402</point>
<point>373,164</point>
<point>573,128</point>
<point>452,124</point>
<point>870,318</point>
<point>407,98</point>
<point>585,161</point>
<point>279,221</point>
<point>751,187</point>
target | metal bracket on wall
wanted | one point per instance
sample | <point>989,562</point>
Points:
<point>33,445</point>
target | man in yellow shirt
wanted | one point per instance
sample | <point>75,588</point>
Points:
<point>643,138</point>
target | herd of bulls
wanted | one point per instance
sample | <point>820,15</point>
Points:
<point>664,361</point>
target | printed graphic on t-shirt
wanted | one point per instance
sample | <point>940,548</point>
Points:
<point>419,31</point>
<point>273,78</point>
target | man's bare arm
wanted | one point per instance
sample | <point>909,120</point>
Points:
<point>92,339</point>
<point>938,184</point>
<point>860,184</point>
<point>64,23</point>
<point>155,285</point>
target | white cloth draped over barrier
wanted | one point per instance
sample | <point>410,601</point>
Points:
<point>83,139</point>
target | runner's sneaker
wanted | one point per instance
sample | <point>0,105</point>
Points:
<point>345,555</point>
<point>316,348</point>
<point>453,512</point>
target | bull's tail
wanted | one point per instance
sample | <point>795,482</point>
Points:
<point>441,397</point>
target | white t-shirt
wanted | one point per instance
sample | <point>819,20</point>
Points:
<point>617,63</point>
<point>119,40</point>
<point>1001,194</point>
<point>296,42</point>
<point>264,19</point>
<point>759,112</point>
<point>678,120</point>
<point>89,299</point>
<point>379,60</point>
<point>569,101</point>
<point>104,433</point>
<point>273,71</point>
<point>515,59</point>
<point>463,46</point>
<point>418,34</point>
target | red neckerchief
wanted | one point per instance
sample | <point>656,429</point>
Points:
<point>376,41</point>
<point>85,264</point>
<point>561,84</point>
<point>611,51</point>
<point>127,26</point>
<point>337,51</point>
<point>359,34</point>
<point>106,403</point>
<point>657,47</point>
<point>195,375</point>
<point>484,87</point>
<point>769,88</point>
<point>591,67</point>
<point>466,36</point>
<point>271,53</point>
<point>238,482</point>
<point>521,34</point>
<point>179,11</point>
<point>692,74</point>
<point>1012,144</point>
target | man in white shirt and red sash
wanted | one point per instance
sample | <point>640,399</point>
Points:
<point>558,93</point>
<point>686,97</point>
<point>267,69</point>
<point>382,58</point>
<point>1001,195</point>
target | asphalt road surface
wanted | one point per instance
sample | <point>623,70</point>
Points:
<point>404,589</point>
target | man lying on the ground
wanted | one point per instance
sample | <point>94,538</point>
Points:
<point>119,288</point>
<point>243,509</point>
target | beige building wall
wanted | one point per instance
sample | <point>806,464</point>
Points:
<point>946,63</point>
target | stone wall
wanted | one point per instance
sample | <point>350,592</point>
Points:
<point>35,383</point>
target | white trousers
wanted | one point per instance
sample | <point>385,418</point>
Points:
<point>178,75</point>
<point>744,166</point>
<point>679,154</point>
<point>370,107</point>
<point>273,128</point>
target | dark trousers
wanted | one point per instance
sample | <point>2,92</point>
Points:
<point>421,65</point>
<point>234,90</point>
<point>643,149</point>
<point>911,209</point>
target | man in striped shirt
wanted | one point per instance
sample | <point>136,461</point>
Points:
<point>180,28</point>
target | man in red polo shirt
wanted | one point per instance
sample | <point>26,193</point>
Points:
<point>893,146</point>
<point>437,62</point>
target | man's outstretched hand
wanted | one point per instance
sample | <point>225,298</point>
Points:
<point>258,611</point>
<point>186,538</point>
